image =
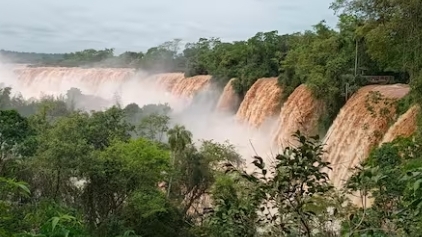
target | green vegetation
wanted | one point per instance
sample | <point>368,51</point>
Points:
<point>391,176</point>
<point>64,172</point>
<point>404,104</point>
<point>129,172</point>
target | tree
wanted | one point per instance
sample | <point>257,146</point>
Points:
<point>197,170</point>
<point>292,188</point>
<point>14,129</point>
<point>61,150</point>
<point>10,191</point>
<point>130,59</point>
<point>163,58</point>
<point>198,56</point>
<point>179,138</point>
<point>5,98</point>
<point>103,127</point>
<point>389,177</point>
<point>392,30</point>
<point>234,211</point>
<point>120,176</point>
<point>154,127</point>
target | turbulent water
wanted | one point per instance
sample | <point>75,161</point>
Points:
<point>187,87</point>
<point>53,80</point>
<point>261,102</point>
<point>360,126</point>
<point>167,80</point>
<point>300,112</point>
<point>405,126</point>
<point>106,83</point>
<point>190,99</point>
<point>261,123</point>
<point>229,100</point>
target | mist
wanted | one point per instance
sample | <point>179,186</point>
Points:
<point>104,88</point>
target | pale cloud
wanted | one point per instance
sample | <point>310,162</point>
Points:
<point>69,25</point>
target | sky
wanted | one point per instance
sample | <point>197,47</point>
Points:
<point>57,26</point>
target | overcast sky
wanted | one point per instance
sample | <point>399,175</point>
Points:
<point>70,25</point>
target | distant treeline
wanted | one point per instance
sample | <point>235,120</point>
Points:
<point>29,58</point>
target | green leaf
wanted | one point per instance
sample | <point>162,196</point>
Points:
<point>24,188</point>
<point>54,222</point>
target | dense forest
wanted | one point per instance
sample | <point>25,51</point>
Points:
<point>129,172</point>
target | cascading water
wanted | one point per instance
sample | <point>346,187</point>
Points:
<point>166,80</point>
<point>354,132</point>
<point>405,126</point>
<point>187,87</point>
<point>359,127</point>
<point>131,86</point>
<point>300,112</point>
<point>261,102</point>
<point>57,80</point>
<point>229,100</point>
